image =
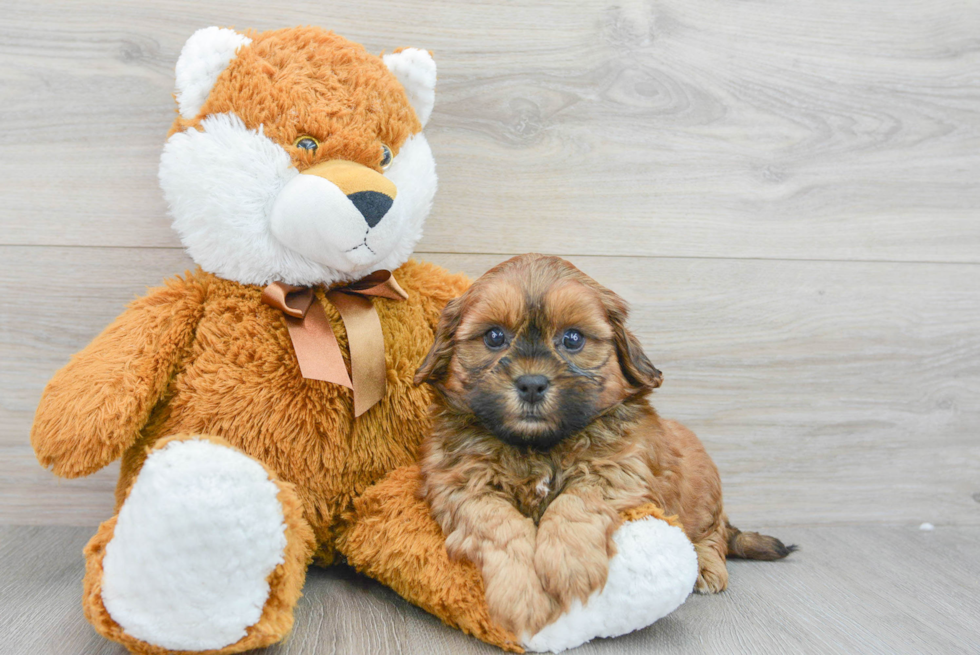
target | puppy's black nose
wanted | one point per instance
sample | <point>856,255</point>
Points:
<point>531,388</point>
<point>373,205</point>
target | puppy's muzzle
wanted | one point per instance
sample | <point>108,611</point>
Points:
<point>369,191</point>
<point>532,388</point>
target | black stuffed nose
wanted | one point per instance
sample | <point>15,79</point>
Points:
<point>372,205</point>
<point>531,388</point>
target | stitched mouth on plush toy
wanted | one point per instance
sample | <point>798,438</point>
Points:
<point>363,244</point>
<point>362,255</point>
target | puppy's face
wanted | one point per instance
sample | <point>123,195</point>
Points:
<point>535,350</point>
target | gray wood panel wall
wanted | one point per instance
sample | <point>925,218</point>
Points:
<point>787,193</point>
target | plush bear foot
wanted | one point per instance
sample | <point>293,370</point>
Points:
<point>207,553</point>
<point>652,573</point>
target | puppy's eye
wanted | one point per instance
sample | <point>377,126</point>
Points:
<point>307,143</point>
<point>386,156</point>
<point>573,340</point>
<point>495,338</point>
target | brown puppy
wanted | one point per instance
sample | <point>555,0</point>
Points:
<point>543,434</point>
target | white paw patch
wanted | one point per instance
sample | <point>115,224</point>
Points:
<point>194,542</point>
<point>651,575</point>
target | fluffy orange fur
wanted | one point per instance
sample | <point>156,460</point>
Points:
<point>339,93</point>
<point>205,356</point>
<point>534,511</point>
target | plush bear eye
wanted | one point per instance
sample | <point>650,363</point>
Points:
<point>573,340</point>
<point>306,143</point>
<point>495,338</point>
<point>386,156</point>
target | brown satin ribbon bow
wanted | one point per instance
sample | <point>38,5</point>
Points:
<point>316,345</point>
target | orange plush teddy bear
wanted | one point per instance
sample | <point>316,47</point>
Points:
<point>263,405</point>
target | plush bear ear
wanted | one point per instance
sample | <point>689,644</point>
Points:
<point>416,70</point>
<point>203,57</point>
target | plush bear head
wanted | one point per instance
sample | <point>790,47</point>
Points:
<point>297,156</point>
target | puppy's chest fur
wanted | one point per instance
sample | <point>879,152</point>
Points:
<point>535,486</point>
<point>533,479</point>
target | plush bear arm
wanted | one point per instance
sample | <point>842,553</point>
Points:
<point>94,407</point>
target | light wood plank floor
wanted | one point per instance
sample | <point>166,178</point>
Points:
<point>866,590</point>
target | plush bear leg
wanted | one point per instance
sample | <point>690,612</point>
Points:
<point>393,539</point>
<point>208,553</point>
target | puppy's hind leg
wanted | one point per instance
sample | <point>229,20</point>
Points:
<point>711,550</point>
<point>727,540</point>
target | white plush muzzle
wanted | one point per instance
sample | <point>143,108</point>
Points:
<point>245,213</point>
<point>312,216</point>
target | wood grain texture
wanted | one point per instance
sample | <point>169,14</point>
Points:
<point>826,392</point>
<point>787,193</point>
<point>820,130</point>
<point>870,590</point>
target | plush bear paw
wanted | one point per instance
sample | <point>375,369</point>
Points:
<point>189,560</point>
<point>652,573</point>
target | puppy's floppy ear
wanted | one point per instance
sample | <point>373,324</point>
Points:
<point>636,367</point>
<point>435,366</point>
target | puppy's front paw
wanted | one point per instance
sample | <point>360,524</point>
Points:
<point>651,574</point>
<point>572,560</point>
<point>515,598</point>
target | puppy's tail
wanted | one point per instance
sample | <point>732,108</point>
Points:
<point>752,545</point>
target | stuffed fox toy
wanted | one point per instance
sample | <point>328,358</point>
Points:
<point>263,405</point>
